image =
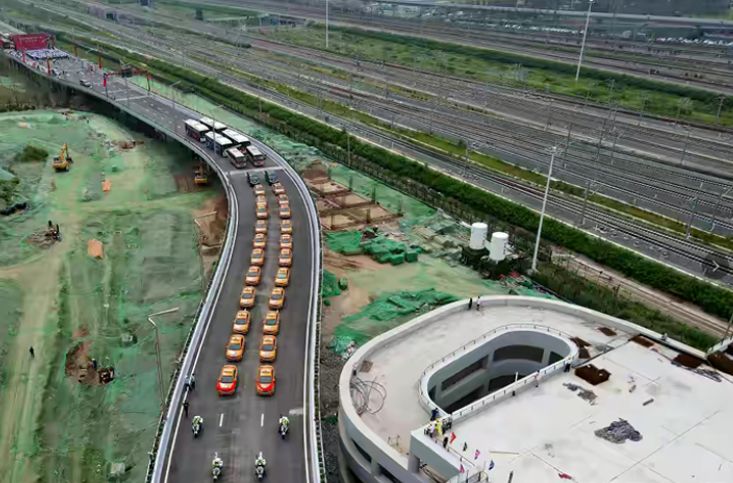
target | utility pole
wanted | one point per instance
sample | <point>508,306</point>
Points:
<point>720,108</point>
<point>692,217</point>
<point>684,149</point>
<point>157,351</point>
<point>326,24</point>
<point>542,212</point>
<point>585,36</point>
<point>585,201</point>
<point>724,194</point>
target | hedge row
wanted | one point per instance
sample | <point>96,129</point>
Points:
<point>534,62</point>
<point>713,299</point>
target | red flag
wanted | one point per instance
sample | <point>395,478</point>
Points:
<point>462,470</point>
<point>104,81</point>
<point>565,476</point>
<point>452,437</point>
<point>476,454</point>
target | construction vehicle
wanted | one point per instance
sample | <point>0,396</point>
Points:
<point>63,161</point>
<point>201,175</point>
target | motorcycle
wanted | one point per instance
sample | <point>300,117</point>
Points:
<point>217,466</point>
<point>260,466</point>
<point>196,428</point>
<point>283,430</point>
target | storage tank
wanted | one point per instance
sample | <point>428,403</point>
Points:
<point>499,242</point>
<point>478,235</point>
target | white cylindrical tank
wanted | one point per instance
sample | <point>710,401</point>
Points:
<point>478,235</point>
<point>499,242</point>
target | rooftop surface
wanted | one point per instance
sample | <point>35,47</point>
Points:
<point>548,431</point>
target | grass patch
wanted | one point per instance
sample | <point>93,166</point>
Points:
<point>588,294</point>
<point>515,70</point>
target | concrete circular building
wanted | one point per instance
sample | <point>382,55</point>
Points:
<point>531,390</point>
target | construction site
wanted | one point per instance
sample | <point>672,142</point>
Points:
<point>102,229</point>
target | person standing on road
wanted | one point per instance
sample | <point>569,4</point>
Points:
<point>470,303</point>
<point>33,352</point>
<point>192,381</point>
<point>185,408</point>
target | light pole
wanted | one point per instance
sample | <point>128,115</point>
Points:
<point>157,350</point>
<point>694,200</point>
<point>173,94</point>
<point>542,212</point>
<point>327,24</point>
<point>582,45</point>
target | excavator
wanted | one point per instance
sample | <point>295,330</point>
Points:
<point>63,161</point>
<point>201,175</point>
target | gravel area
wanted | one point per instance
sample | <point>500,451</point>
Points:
<point>331,365</point>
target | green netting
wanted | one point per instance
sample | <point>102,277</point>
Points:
<point>331,286</point>
<point>11,298</point>
<point>385,312</point>
<point>150,263</point>
<point>347,242</point>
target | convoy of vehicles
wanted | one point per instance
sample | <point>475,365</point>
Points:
<point>235,347</point>
<point>228,143</point>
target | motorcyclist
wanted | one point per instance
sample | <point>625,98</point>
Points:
<point>197,421</point>
<point>217,462</point>
<point>260,461</point>
<point>284,422</point>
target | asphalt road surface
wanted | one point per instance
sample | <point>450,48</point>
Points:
<point>239,426</point>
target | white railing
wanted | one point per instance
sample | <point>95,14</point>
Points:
<point>429,404</point>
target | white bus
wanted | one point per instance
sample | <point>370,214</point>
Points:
<point>196,130</point>
<point>256,156</point>
<point>236,157</point>
<point>239,140</point>
<point>213,125</point>
<point>217,142</point>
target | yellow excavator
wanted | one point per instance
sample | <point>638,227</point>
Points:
<point>63,161</point>
<point>201,175</point>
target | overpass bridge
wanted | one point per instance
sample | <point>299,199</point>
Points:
<point>236,428</point>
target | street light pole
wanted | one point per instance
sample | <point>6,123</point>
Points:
<point>542,212</point>
<point>692,217</point>
<point>582,45</point>
<point>157,351</point>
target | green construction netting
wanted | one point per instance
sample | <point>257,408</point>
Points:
<point>150,264</point>
<point>385,312</point>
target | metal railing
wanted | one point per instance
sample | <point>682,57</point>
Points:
<point>429,404</point>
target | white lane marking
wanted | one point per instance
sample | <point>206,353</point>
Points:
<point>296,412</point>
<point>221,419</point>
<point>262,420</point>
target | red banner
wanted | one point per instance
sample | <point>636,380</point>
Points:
<point>25,42</point>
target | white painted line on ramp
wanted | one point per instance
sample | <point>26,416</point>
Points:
<point>221,419</point>
<point>296,412</point>
<point>262,420</point>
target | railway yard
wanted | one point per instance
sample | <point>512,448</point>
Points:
<point>394,130</point>
<point>680,171</point>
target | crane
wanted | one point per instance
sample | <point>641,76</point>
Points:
<point>63,161</point>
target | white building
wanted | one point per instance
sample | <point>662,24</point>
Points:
<point>506,378</point>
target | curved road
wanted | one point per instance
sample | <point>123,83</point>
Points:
<point>236,427</point>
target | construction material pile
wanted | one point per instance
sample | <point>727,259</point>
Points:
<point>378,246</point>
<point>618,432</point>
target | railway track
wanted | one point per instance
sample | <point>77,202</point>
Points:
<point>499,41</point>
<point>688,255</point>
